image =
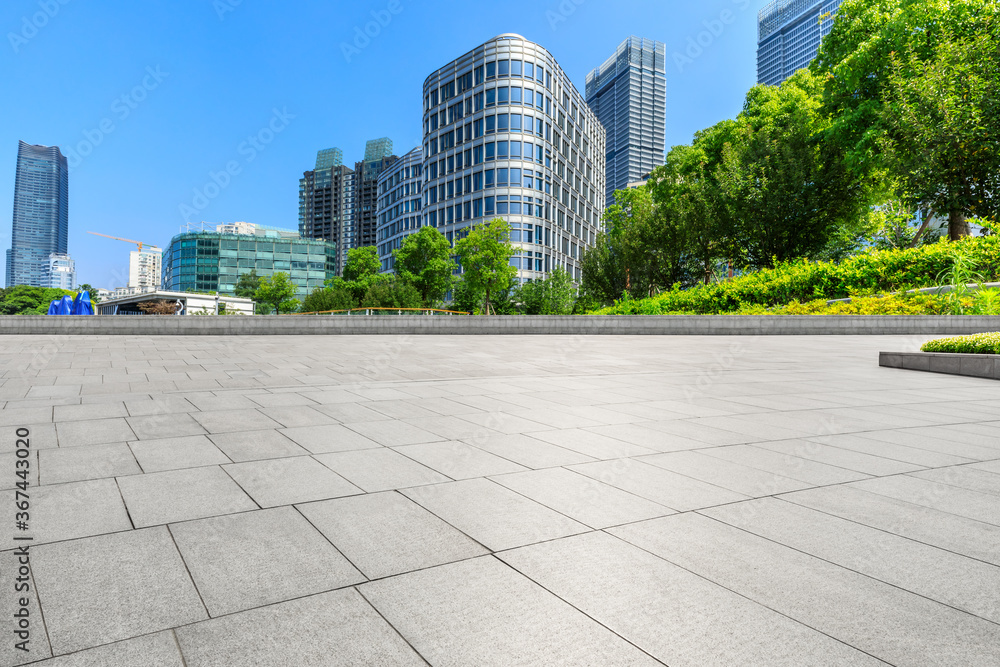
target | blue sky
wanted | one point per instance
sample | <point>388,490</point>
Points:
<point>151,98</point>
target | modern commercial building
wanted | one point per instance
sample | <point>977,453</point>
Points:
<point>629,95</point>
<point>399,190</point>
<point>41,215</point>
<point>327,203</point>
<point>212,261</point>
<point>506,134</point>
<point>144,269</point>
<point>789,33</point>
<point>378,157</point>
<point>60,272</point>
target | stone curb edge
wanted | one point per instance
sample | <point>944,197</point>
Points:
<point>967,365</point>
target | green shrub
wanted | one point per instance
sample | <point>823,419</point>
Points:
<point>869,274</point>
<point>984,343</point>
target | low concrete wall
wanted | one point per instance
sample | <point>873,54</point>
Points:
<point>676,325</point>
<point>968,365</point>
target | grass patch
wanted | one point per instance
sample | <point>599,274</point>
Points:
<point>984,343</point>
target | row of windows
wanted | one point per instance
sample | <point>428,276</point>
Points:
<point>492,70</point>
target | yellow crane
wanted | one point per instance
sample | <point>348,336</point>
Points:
<point>118,238</point>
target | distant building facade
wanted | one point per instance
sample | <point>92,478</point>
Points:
<point>399,193</point>
<point>506,134</point>
<point>628,93</point>
<point>60,272</point>
<point>789,33</point>
<point>212,261</point>
<point>378,157</point>
<point>41,215</point>
<point>327,203</point>
<point>144,269</point>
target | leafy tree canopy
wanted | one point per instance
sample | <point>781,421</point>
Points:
<point>424,261</point>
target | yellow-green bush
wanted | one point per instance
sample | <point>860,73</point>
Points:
<point>984,343</point>
<point>869,274</point>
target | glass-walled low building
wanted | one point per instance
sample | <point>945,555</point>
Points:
<point>212,261</point>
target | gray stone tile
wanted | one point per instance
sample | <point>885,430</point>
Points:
<point>458,460</point>
<point>112,587</point>
<point>965,477</point>
<point>971,504</point>
<point>649,602</point>
<point>528,451</point>
<point>286,481</point>
<point>526,626</point>
<point>155,650</point>
<point>11,477</point>
<point>160,405</point>
<point>292,416</point>
<point>208,402</point>
<point>327,439</point>
<point>493,515</point>
<point>93,432</point>
<point>595,445</point>
<point>786,465</point>
<point>253,559</point>
<point>227,421</point>
<point>898,627</point>
<point>942,441</point>
<point>75,464</point>
<point>889,450</point>
<point>181,495</point>
<point>283,399</point>
<point>379,469</point>
<point>66,413</point>
<point>949,578</point>
<point>732,476</point>
<point>503,421</point>
<point>401,409</point>
<point>988,466</point>
<point>256,445</point>
<point>385,534</point>
<point>448,427</point>
<point>835,456</point>
<point>351,413</point>
<point>582,498</point>
<point>332,629</point>
<point>394,433</point>
<point>177,453</point>
<point>160,427</point>
<point>69,511</point>
<point>37,646</point>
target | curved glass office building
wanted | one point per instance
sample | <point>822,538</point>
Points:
<point>506,134</point>
<point>41,214</point>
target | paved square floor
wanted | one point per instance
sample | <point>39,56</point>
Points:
<point>502,500</point>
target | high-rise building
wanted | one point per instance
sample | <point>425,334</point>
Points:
<point>60,272</point>
<point>213,261</point>
<point>399,189</point>
<point>41,214</point>
<point>506,134</point>
<point>629,95</point>
<point>144,267</point>
<point>327,203</point>
<point>789,33</point>
<point>378,156</point>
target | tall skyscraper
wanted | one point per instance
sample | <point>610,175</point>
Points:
<point>789,33</point>
<point>41,215</point>
<point>629,95</point>
<point>326,203</point>
<point>506,134</point>
<point>399,189</point>
<point>378,156</point>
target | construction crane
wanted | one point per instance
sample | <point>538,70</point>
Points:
<point>118,238</point>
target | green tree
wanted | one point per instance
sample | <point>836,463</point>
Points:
<point>424,261</point>
<point>247,285</point>
<point>901,72</point>
<point>87,287</point>
<point>28,300</point>
<point>277,292</point>
<point>788,188</point>
<point>554,295</point>
<point>391,294</point>
<point>361,263</point>
<point>323,299</point>
<point>485,257</point>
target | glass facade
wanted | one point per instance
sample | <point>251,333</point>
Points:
<point>378,158</point>
<point>399,189</point>
<point>213,262</point>
<point>506,134</point>
<point>327,202</point>
<point>789,33</point>
<point>629,95</point>
<point>41,215</point>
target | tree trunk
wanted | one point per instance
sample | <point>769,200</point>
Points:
<point>958,226</point>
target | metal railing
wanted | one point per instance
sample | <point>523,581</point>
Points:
<point>398,311</point>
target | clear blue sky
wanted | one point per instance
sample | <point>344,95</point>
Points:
<point>182,85</point>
